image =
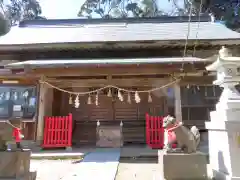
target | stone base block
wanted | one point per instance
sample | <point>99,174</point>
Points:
<point>29,176</point>
<point>14,164</point>
<point>180,166</point>
<point>222,176</point>
<point>26,144</point>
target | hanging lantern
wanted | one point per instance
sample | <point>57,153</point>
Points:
<point>120,96</point>
<point>109,93</point>
<point>96,100</point>
<point>77,102</point>
<point>70,100</point>
<point>89,101</point>
<point>149,97</point>
<point>137,98</point>
<point>129,98</point>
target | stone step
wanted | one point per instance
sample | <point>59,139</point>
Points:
<point>57,155</point>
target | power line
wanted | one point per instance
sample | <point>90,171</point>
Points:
<point>199,18</point>
<point>188,33</point>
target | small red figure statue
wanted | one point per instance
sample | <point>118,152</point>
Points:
<point>18,137</point>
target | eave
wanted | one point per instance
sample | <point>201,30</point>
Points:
<point>201,44</point>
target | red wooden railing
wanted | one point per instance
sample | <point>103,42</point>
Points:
<point>154,131</point>
<point>57,131</point>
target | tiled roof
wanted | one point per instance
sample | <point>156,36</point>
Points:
<point>117,32</point>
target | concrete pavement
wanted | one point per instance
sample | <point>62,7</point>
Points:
<point>102,165</point>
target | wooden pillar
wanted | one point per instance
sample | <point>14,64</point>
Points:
<point>178,104</point>
<point>44,109</point>
<point>49,102</point>
<point>41,109</point>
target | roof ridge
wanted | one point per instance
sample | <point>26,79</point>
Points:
<point>69,22</point>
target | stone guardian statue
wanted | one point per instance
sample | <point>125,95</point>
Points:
<point>187,139</point>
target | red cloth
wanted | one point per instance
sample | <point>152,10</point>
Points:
<point>17,134</point>
<point>172,136</point>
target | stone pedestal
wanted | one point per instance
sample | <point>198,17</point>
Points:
<point>109,136</point>
<point>224,128</point>
<point>224,148</point>
<point>179,166</point>
<point>16,165</point>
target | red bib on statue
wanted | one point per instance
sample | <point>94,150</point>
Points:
<point>171,135</point>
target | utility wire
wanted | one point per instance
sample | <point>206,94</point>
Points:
<point>199,18</point>
<point>187,37</point>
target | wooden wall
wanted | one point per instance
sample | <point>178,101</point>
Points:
<point>110,111</point>
<point>29,130</point>
<point>197,103</point>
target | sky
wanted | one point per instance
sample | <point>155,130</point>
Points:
<point>62,9</point>
<point>65,9</point>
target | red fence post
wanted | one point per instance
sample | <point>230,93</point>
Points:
<point>152,131</point>
<point>162,132</point>
<point>66,130</point>
<point>45,138</point>
<point>69,143</point>
<point>147,130</point>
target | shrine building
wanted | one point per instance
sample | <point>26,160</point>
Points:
<point>111,72</point>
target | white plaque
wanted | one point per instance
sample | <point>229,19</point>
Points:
<point>17,108</point>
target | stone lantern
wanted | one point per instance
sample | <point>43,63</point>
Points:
<point>224,127</point>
